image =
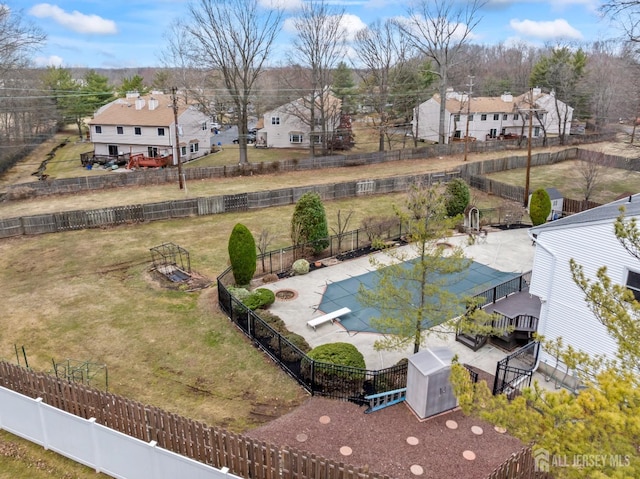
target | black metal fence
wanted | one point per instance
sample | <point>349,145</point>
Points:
<point>330,380</point>
<point>339,246</point>
<point>503,290</point>
<point>514,372</point>
<point>334,381</point>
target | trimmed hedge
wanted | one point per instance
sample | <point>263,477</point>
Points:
<point>309,222</point>
<point>456,197</point>
<point>343,354</point>
<point>260,298</point>
<point>540,207</point>
<point>242,254</point>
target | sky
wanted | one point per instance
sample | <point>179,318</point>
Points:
<point>132,33</point>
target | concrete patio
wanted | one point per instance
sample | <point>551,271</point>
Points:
<point>509,251</point>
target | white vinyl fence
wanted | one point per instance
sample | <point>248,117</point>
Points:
<point>96,446</point>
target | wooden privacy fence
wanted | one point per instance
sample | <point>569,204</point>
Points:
<point>170,175</point>
<point>216,447</point>
<point>113,216</point>
<point>244,456</point>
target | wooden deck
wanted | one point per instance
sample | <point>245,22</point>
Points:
<point>516,304</point>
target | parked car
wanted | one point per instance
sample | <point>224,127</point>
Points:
<point>251,138</point>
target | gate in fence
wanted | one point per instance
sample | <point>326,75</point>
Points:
<point>514,372</point>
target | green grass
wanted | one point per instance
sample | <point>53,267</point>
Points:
<point>89,296</point>
<point>566,178</point>
<point>23,459</point>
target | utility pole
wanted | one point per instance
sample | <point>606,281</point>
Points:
<point>176,146</point>
<point>526,183</point>
<point>466,135</point>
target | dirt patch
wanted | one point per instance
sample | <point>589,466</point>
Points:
<point>380,440</point>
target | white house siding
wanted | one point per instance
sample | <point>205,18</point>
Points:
<point>551,120</point>
<point>565,313</point>
<point>427,120</point>
<point>129,142</point>
<point>191,123</point>
<point>278,135</point>
<point>195,129</point>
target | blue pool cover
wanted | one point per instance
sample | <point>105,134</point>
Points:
<point>476,279</point>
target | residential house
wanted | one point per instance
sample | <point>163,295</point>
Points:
<point>589,239</point>
<point>491,118</point>
<point>146,125</point>
<point>290,125</point>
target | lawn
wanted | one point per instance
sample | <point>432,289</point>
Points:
<point>566,178</point>
<point>23,459</point>
<point>89,296</point>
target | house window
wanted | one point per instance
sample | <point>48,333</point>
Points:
<point>317,121</point>
<point>275,120</point>
<point>470,117</point>
<point>536,131</point>
<point>295,137</point>
<point>152,152</point>
<point>496,116</point>
<point>137,130</point>
<point>515,116</point>
<point>504,117</point>
<point>456,117</point>
<point>493,132</point>
<point>204,125</point>
<point>633,283</point>
<point>483,117</point>
<point>183,150</point>
<point>98,129</point>
<point>193,147</point>
<point>457,134</point>
<point>160,131</point>
<point>120,130</point>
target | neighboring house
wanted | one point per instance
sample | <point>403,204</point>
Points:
<point>557,203</point>
<point>146,125</point>
<point>289,125</point>
<point>589,239</point>
<point>490,118</point>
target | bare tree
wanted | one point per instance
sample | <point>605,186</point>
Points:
<point>319,46</point>
<point>626,13</point>
<point>439,29</point>
<point>264,241</point>
<point>17,39</point>
<point>235,38</point>
<point>591,166</point>
<point>341,227</point>
<point>381,51</point>
<point>25,119</point>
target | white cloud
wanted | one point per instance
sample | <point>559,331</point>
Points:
<point>76,21</point>
<point>350,24</point>
<point>287,5</point>
<point>50,61</point>
<point>546,30</point>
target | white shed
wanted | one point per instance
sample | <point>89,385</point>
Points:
<point>429,391</point>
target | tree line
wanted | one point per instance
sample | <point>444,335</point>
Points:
<point>221,57</point>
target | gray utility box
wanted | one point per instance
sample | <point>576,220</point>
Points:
<point>429,391</point>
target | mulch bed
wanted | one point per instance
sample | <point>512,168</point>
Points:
<point>378,440</point>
